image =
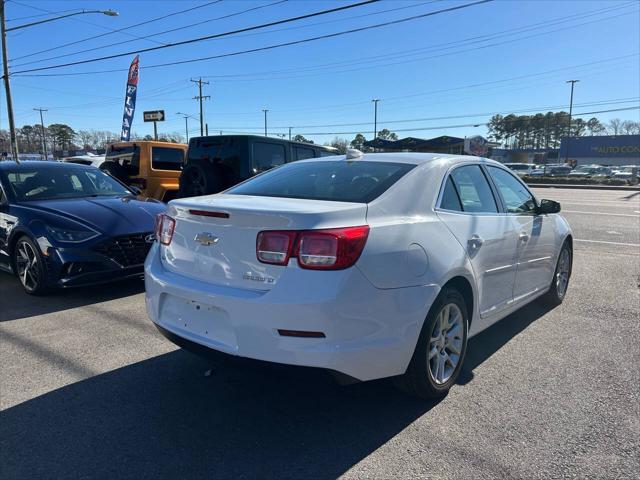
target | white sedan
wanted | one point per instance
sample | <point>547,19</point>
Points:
<point>373,265</point>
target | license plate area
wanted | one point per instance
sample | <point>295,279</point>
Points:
<point>209,322</point>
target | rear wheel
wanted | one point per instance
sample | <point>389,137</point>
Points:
<point>29,266</point>
<point>441,348</point>
<point>560,282</point>
<point>197,179</point>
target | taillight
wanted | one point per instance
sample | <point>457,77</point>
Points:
<point>275,246</point>
<point>330,249</point>
<point>165,225</point>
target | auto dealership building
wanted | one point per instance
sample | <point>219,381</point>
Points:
<point>604,150</point>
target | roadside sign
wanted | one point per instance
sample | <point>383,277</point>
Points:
<point>154,116</point>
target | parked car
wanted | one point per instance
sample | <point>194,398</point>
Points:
<point>88,159</point>
<point>589,171</point>
<point>372,266</point>
<point>64,225</point>
<point>629,173</point>
<point>558,170</point>
<point>521,169</point>
<point>152,167</point>
<point>218,162</point>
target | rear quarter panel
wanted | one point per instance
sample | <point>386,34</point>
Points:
<point>408,244</point>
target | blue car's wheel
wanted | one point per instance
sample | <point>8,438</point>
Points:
<point>29,266</point>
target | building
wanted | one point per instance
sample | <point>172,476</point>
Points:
<point>524,155</point>
<point>444,144</point>
<point>603,150</point>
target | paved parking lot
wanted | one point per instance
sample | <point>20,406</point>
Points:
<point>88,388</point>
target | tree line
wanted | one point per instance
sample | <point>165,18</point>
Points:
<point>59,136</point>
<point>545,130</point>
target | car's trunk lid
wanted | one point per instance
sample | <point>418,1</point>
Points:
<point>222,249</point>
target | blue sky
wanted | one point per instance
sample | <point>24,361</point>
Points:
<point>504,56</point>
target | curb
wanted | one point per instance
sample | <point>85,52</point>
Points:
<point>585,187</point>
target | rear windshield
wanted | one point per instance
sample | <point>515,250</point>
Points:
<point>338,181</point>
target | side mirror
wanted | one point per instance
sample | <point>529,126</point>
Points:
<point>135,190</point>
<point>548,206</point>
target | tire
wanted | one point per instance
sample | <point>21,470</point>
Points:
<point>116,170</point>
<point>33,278</point>
<point>560,282</point>
<point>198,179</point>
<point>422,378</point>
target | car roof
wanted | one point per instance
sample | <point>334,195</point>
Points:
<point>27,165</point>
<point>413,158</point>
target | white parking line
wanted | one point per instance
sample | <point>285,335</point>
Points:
<point>607,243</point>
<point>603,213</point>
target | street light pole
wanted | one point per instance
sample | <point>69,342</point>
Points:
<point>186,123</point>
<point>5,62</point>
<point>375,117</point>
<point>572,82</point>
<point>44,141</point>
<point>265,121</point>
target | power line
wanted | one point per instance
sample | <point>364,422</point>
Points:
<point>450,117</point>
<point>128,34</point>
<point>123,29</point>
<point>440,127</point>
<point>474,39</point>
<point>155,34</point>
<point>333,71</point>
<point>209,37</point>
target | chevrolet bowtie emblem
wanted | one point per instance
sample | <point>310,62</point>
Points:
<point>206,239</point>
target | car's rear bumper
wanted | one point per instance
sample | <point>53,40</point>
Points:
<point>369,333</point>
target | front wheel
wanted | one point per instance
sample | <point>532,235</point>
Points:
<point>29,266</point>
<point>441,348</point>
<point>560,283</point>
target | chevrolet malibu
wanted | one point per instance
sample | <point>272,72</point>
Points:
<point>372,266</point>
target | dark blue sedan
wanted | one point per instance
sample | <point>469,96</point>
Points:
<point>64,225</point>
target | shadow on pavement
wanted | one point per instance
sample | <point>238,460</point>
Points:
<point>489,341</point>
<point>16,304</point>
<point>164,418</point>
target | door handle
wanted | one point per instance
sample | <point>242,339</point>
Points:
<point>524,237</point>
<point>475,242</point>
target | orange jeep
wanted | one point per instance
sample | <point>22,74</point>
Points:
<point>153,167</point>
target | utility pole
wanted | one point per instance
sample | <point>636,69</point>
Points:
<point>375,117</point>
<point>44,140</point>
<point>200,82</point>
<point>265,121</point>
<point>289,133</point>
<point>7,86</point>
<point>572,82</point>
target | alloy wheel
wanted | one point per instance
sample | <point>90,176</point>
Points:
<point>445,343</point>
<point>562,275</point>
<point>27,266</point>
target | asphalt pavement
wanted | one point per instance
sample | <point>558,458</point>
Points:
<point>89,389</point>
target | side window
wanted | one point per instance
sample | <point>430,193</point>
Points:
<point>267,156</point>
<point>302,153</point>
<point>450,199</point>
<point>163,158</point>
<point>223,156</point>
<point>516,197</point>
<point>474,190</point>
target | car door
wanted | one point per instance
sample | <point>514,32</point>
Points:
<point>469,208</point>
<point>536,234</point>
